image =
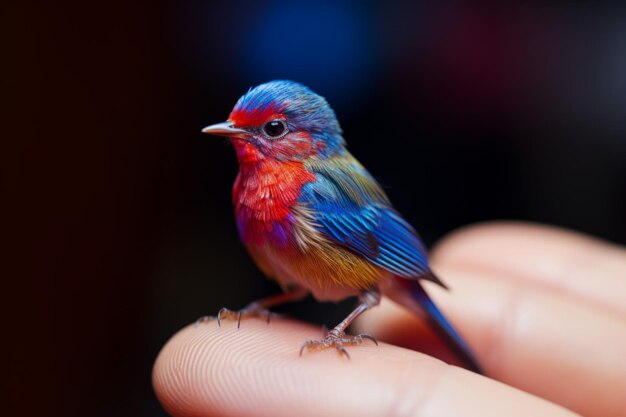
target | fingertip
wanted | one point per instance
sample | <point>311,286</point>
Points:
<point>208,369</point>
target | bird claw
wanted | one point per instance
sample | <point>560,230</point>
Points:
<point>252,310</point>
<point>338,340</point>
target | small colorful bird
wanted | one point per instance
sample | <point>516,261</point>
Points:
<point>315,220</point>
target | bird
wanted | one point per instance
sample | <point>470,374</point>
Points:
<point>316,221</point>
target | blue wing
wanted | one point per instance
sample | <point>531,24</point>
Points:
<point>350,208</point>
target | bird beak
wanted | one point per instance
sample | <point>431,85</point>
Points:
<point>225,129</point>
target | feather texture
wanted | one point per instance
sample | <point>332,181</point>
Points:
<point>349,207</point>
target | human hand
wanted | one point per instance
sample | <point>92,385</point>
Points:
<point>544,310</point>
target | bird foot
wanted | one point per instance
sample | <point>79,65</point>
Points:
<point>252,310</point>
<point>337,339</point>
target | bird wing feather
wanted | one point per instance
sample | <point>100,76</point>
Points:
<point>350,208</point>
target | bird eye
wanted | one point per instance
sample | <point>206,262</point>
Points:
<point>275,129</point>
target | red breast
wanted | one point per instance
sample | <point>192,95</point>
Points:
<point>264,193</point>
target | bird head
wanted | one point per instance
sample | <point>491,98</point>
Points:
<point>281,120</point>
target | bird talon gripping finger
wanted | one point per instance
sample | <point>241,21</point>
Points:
<point>252,310</point>
<point>337,339</point>
<point>315,220</point>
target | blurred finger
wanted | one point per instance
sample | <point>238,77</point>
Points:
<point>543,343</point>
<point>256,371</point>
<point>561,260</point>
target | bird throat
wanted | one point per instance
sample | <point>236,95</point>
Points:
<point>247,153</point>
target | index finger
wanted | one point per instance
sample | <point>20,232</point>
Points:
<point>256,371</point>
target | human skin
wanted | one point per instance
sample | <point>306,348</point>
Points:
<point>543,308</point>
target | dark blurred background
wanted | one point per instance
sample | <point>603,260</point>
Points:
<point>119,227</point>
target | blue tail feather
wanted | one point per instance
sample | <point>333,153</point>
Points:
<point>443,327</point>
